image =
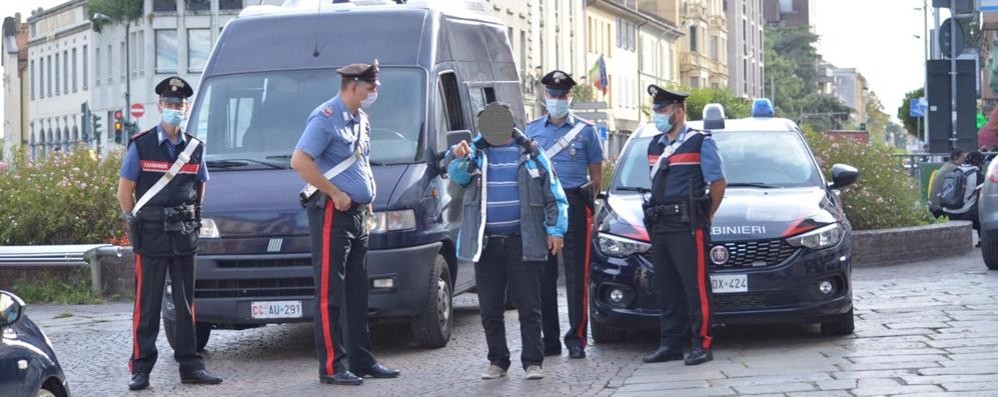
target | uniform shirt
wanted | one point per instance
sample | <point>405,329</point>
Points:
<point>131,168</point>
<point>711,165</point>
<point>330,137</point>
<point>503,206</point>
<point>572,169</point>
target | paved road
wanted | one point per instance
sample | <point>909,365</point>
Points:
<point>927,328</point>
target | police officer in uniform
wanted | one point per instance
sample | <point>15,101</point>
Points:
<point>160,190</point>
<point>337,132</point>
<point>685,164</point>
<point>576,150</point>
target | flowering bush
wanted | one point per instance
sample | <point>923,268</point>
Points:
<point>884,196</point>
<point>67,198</point>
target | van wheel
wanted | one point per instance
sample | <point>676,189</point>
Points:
<point>842,324</point>
<point>603,333</point>
<point>203,331</point>
<point>990,252</point>
<point>45,393</point>
<point>432,327</point>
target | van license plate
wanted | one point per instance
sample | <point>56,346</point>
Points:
<point>275,309</point>
<point>728,283</point>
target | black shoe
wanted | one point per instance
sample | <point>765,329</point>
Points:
<point>200,377</point>
<point>554,350</point>
<point>342,378</point>
<point>699,356</point>
<point>139,381</point>
<point>576,352</point>
<point>662,355</point>
<point>378,371</point>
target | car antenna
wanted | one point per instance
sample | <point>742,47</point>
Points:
<point>315,46</point>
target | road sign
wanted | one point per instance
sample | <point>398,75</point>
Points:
<point>944,38</point>
<point>915,108</point>
<point>137,110</point>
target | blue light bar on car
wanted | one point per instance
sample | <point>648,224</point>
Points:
<point>762,107</point>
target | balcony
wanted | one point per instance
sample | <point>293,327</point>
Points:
<point>694,10</point>
<point>695,61</point>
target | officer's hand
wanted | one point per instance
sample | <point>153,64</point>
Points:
<point>341,201</point>
<point>555,244</point>
<point>462,150</point>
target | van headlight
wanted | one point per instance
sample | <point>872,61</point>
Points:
<point>390,221</point>
<point>208,229</point>
<point>821,238</point>
<point>620,247</point>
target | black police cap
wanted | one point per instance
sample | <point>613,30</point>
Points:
<point>557,82</point>
<point>361,72</point>
<point>174,89</point>
<point>662,96</point>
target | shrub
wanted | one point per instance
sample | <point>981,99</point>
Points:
<point>884,196</point>
<point>67,198</point>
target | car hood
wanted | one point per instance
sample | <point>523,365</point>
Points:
<point>264,203</point>
<point>745,214</point>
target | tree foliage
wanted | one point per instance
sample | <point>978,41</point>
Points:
<point>117,10</point>
<point>904,113</point>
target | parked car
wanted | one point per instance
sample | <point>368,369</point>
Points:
<point>780,243</point>
<point>28,366</point>
<point>988,215</point>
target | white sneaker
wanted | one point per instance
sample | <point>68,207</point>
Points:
<point>535,372</point>
<point>494,372</point>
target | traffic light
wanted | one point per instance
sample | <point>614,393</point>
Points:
<point>96,123</point>
<point>119,124</point>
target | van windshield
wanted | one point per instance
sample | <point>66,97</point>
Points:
<point>257,118</point>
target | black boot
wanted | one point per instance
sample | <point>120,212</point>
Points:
<point>699,356</point>
<point>139,381</point>
<point>200,377</point>
<point>663,354</point>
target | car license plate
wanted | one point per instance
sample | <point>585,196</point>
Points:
<point>275,309</point>
<point>728,283</point>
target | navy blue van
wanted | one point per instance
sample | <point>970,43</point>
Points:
<point>269,69</point>
<point>780,242</point>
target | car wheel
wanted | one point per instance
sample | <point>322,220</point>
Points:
<point>432,327</point>
<point>989,250</point>
<point>45,393</point>
<point>842,324</point>
<point>603,333</point>
<point>203,332</point>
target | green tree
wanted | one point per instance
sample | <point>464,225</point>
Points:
<point>117,10</point>
<point>734,107</point>
<point>582,93</point>
<point>904,113</point>
<point>791,73</point>
<point>876,119</point>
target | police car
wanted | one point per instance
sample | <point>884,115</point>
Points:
<point>780,242</point>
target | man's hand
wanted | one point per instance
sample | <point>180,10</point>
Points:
<point>341,201</point>
<point>462,150</point>
<point>555,244</point>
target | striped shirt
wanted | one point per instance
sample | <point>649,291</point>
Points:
<point>503,206</point>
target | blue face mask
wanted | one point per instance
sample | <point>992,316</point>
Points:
<point>663,122</point>
<point>172,117</point>
<point>557,108</point>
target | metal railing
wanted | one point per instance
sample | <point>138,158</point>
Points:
<point>43,256</point>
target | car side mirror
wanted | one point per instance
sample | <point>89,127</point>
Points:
<point>455,137</point>
<point>843,175</point>
<point>11,309</point>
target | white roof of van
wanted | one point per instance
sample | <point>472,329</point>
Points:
<point>467,9</point>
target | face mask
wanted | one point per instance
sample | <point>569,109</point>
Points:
<point>663,122</point>
<point>557,108</point>
<point>172,117</point>
<point>367,102</point>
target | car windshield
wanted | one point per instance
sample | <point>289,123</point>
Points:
<point>760,159</point>
<point>257,118</point>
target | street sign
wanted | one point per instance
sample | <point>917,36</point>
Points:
<point>916,108</point>
<point>944,38</point>
<point>138,110</point>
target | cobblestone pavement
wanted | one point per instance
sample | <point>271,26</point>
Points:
<point>929,328</point>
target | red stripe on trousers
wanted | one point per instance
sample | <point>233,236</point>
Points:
<point>585,279</point>
<point>701,280</point>
<point>327,231</point>
<point>137,312</point>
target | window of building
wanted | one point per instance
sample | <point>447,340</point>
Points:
<point>74,69</point>
<point>86,67</point>
<point>97,67</point>
<point>48,75</point>
<point>198,46</point>
<point>56,75</point>
<point>230,4</point>
<point>65,72</point>
<point>786,6</point>
<point>713,48</point>
<point>166,51</point>
<point>694,82</point>
<point>31,78</point>
<point>693,38</point>
<point>198,5</point>
<point>110,65</point>
<point>164,5</point>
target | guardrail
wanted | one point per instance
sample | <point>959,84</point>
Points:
<point>86,255</point>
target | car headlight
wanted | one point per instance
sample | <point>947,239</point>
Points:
<point>390,221</point>
<point>823,237</point>
<point>620,247</point>
<point>208,229</point>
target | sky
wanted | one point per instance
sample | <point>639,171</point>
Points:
<point>875,36</point>
<point>878,38</point>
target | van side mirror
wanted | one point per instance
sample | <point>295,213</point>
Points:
<point>11,309</point>
<point>843,175</point>
<point>455,137</point>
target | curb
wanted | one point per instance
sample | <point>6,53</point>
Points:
<point>886,247</point>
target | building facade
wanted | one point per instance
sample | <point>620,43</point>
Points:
<point>745,47</point>
<point>15,89</point>
<point>704,52</point>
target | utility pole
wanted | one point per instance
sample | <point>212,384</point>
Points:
<point>952,64</point>
<point>925,87</point>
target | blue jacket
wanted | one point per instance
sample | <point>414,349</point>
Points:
<point>543,205</point>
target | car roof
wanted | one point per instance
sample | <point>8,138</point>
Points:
<point>468,9</point>
<point>748,124</point>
